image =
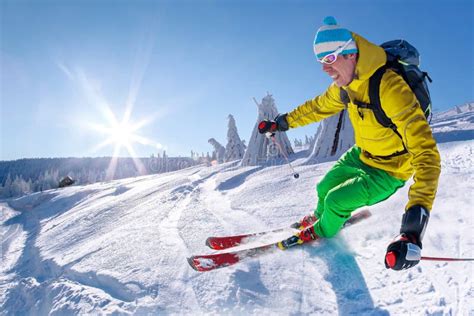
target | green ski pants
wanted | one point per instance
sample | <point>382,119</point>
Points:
<point>350,184</point>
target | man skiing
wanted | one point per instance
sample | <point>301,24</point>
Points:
<point>382,159</point>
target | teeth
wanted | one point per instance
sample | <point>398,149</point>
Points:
<point>334,76</point>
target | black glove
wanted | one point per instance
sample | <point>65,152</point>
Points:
<point>405,250</point>
<point>279,124</point>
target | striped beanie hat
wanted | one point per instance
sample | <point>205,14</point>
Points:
<point>330,37</point>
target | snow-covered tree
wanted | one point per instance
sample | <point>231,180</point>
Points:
<point>48,180</point>
<point>261,149</point>
<point>219,150</point>
<point>235,149</point>
<point>16,187</point>
<point>32,175</point>
<point>335,136</point>
<point>7,187</point>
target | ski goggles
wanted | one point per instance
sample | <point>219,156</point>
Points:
<point>332,57</point>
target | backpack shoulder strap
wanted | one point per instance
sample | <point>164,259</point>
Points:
<point>344,97</point>
<point>374,96</point>
<point>376,105</point>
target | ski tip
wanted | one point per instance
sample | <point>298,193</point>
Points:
<point>208,243</point>
<point>191,263</point>
<point>365,213</point>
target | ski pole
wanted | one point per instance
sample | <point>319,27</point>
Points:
<point>296,175</point>
<point>446,259</point>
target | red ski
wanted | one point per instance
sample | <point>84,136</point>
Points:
<point>220,260</point>
<point>220,243</point>
<point>225,242</point>
<point>204,263</point>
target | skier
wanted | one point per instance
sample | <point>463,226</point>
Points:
<point>382,159</point>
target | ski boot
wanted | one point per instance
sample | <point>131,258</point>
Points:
<point>306,221</point>
<point>304,236</point>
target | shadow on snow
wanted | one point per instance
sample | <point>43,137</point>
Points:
<point>353,296</point>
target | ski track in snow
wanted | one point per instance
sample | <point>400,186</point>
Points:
<point>121,246</point>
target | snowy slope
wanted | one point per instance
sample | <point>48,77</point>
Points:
<point>455,124</point>
<point>121,247</point>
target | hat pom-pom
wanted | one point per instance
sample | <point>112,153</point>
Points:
<point>330,20</point>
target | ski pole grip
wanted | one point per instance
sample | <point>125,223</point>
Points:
<point>390,259</point>
<point>267,126</point>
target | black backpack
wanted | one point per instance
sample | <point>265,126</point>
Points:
<point>404,59</point>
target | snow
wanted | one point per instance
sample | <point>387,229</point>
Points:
<point>121,247</point>
<point>219,150</point>
<point>235,148</point>
<point>455,124</point>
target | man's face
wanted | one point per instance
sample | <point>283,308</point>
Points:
<point>342,70</point>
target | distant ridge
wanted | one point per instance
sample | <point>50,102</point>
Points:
<point>456,124</point>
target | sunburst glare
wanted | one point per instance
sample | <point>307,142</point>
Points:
<point>118,134</point>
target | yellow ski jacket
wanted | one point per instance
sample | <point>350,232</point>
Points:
<point>401,106</point>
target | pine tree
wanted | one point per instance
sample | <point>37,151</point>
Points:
<point>234,149</point>
<point>165,162</point>
<point>19,187</point>
<point>219,150</point>
<point>334,137</point>
<point>7,187</point>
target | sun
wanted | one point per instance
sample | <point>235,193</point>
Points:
<point>122,134</point>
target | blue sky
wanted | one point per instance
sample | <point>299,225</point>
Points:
<point>180,67</point>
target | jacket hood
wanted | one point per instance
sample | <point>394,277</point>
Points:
<point>371,57</point>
